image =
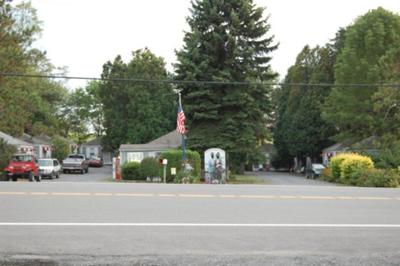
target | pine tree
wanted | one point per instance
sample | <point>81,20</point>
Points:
<point>227,41</point>
<point>300,130</point>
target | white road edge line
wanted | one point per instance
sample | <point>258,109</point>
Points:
<point>204,225</point>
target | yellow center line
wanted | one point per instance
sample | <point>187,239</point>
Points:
<point>227,196</point>
<point>196,195</point>
<point>184,195</point>
<point>70,194</point>
<point>373,198</point>
<point>258,196</point>
<point>103,194</point>
<point>288,197</point>
<point>317,197</point>
<point>345,198</point>
<point>39,193</point>
<point>12,193</point>
<point>134,194</point>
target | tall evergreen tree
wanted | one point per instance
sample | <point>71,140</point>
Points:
<point>227,41</point>
<point>300,130</point>
<point>136,112</point>
<point>373,37</point>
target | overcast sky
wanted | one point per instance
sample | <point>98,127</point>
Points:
<point>83,35</point>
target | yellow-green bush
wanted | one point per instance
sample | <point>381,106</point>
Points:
<point>336,163</point>
<point>348,167</point>
<point>352,168</point>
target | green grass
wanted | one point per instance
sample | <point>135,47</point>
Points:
<point>245,179</point>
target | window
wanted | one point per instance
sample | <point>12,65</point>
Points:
<point>134,156</point>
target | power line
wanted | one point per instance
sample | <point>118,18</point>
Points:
<point>201,82</point>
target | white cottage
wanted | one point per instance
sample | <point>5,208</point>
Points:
<point>20,145</point>
<point>137,152</point>
<point>41,144</point>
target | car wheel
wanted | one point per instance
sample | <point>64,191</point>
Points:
<point>30,177</point>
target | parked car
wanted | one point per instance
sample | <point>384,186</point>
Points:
<point>50,168</point>
<point>95,162</point>
<point>23,165</point>
<point>315,170</point>
<point>75,162</point>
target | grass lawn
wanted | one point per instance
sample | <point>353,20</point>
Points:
<point>246,179</point>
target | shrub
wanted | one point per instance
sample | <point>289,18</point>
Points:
<point>149,167</point>
<point>130,171</point>
<point>60,148</point>
<point>327,175</point>
<point>352,168</point>
<point>174,158</point>
<point>6,151</point>
<point>388,157</point>
<point>336,163</point>
<point>379,178</point>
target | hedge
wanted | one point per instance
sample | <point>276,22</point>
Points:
<point>355,169</point>
<point>149,167</point>
<point>174,158</point>
<point>379,178</point>
<point>130,171</point>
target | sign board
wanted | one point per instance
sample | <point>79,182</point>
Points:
<point>173,171</point>
<point>215,165</point>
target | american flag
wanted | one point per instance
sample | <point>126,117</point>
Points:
<point>180,121</point>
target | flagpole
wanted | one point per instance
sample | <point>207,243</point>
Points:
<point>183,135</point>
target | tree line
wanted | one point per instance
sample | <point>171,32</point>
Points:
<point>310,118</point>
<point>227,40</point>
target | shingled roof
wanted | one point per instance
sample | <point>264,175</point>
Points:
<point>171,140</point>
<point>13,141</point>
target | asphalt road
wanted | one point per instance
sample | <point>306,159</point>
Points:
<point>71,223</point>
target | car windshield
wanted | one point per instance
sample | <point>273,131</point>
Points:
<point>45,162</point>
<point>318,166</point>
<point>22,158</point>
<point>76,156</point>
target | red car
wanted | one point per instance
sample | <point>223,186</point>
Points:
<point>95,162</point>
<point>23,165</point>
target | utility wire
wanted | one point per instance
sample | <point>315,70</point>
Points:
<point>201,82</point>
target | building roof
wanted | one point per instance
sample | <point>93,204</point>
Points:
<point>13,141</point>
<point>94,142</point>
<point>349,145</point>
<point>171,140</point>
<point>41,139</point>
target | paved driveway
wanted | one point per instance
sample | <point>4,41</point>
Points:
<point>281,178</point>
<point>94,175</point>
